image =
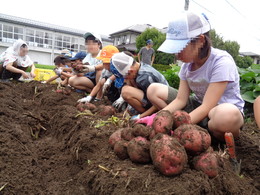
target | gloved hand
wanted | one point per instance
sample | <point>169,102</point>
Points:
<point>43,82</point>
<point>85,99</point>
<point>148,120</point>
<point>106,85</point>
<point>135,117</point>
<point>58,71</point>
<point>118,103</point>
<point>88,68</point>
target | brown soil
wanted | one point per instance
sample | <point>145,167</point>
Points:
<point>71,156</point>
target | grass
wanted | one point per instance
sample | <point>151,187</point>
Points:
<point>50,67</point>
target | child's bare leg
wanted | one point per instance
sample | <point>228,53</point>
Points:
<point>225,118</point>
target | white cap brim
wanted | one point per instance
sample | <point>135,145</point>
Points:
<point>173,46</point>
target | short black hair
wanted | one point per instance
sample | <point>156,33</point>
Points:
<point>24,46</point>
<point>92,38</point>
<point>130,54</point>
<point>60,60</point>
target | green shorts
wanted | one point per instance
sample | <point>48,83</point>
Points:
<point>191,105</point>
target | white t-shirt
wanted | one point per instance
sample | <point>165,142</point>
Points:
<point>12,55</point>
<point>219,67</point>
<point>92,61</point>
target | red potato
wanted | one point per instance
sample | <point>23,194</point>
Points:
<point>207,162</point>
<point>120,149</point>
<point>139,150</point>
<point>127,134</point>
<point>115,137</point>
<point>90,106</point>
<point>168,155</point>
<point>163,122</point>
<point>141,130</point>
<point>194,138</point>
<point>80,107</point>
<point>180,117</point>
<point>106,110</point>
<point>152,134</point>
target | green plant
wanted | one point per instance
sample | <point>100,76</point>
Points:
<point>41,66</point>
<point>171,75</point>
<point>161,67</point>
<point>250,82</point>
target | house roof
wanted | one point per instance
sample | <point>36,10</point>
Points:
<point>138,28</point>
<point>45,26</point>
<point>249,54</point>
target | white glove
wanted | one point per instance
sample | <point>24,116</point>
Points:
<point>43,82</point>
<point>119,102</point>
<point>88,68</point>
<point>106,85</point>
<point>58,71</point>
<point>85,99</point>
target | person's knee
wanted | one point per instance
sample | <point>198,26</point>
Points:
<point>126,92</point>
<point>151,91</point>
<point>225,118</point>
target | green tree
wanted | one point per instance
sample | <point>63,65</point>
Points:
<point>158,38</point>
<point>244,61</point>
<point>232,47</point>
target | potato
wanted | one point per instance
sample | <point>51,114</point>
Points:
<point>194,138</point>
<point>163,122</point>
<point>141,130</point>
<point>168,155</point>
<point>207,162</point>
<point>180,117</point>
<point>139,150</point>
<point>106,110</point>
<point>127,134</point>
<point>120,149</point>
<point>90,106</point>
<point>115,137</point>
<point>80,107</point>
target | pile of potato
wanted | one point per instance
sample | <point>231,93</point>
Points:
<point>168,144</point>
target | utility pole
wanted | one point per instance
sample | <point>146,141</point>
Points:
<point>186,7</point>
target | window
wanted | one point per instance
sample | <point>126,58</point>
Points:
<point>66,42</point>
<point>29,37</point>
<point>74,44</point>
<point>1,31</point>
<point>58,42</point>
<point>39,38</point>
<point>47,40</point>
<point>8,33</point>
<point>124,39</point>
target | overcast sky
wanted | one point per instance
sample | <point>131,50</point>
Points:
<point>236,20</point>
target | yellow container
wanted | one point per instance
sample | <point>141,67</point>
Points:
<point>43,74</point>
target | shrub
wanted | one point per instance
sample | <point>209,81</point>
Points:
<point>250,82</point>
<point>171,76</point>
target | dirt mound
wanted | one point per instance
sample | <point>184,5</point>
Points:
<point>47,149</point>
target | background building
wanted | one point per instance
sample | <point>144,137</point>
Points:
<point>45,40</point>
<point>125,39</point>
<point>254,56</point>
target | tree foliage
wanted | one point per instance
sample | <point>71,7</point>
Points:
<point>158,38</point>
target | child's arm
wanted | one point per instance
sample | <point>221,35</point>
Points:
<point>32,71</point>
<point>67,69</point>
<point>52,79</point>
<point>66,74</point>
<point>11,68</point>
<point>96,89</point>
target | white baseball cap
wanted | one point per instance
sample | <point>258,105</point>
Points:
<point>97,36</point>
<point>122,62</point>
<point>185,27</point>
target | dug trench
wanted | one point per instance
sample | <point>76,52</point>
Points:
<point>45,148</point>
